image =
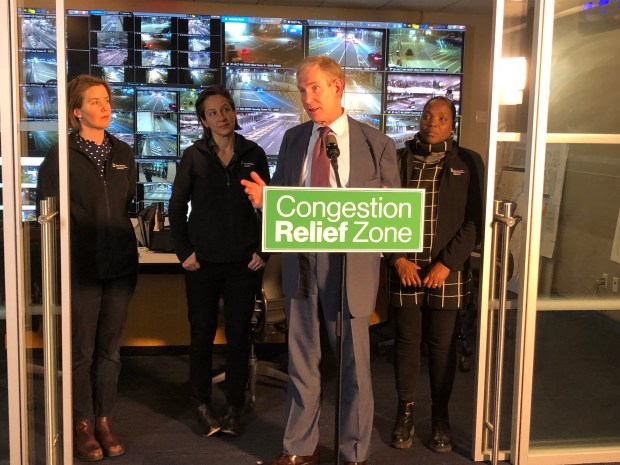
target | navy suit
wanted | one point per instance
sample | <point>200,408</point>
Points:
<point>373,164</point>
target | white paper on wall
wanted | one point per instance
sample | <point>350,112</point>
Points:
<point>615,247</point>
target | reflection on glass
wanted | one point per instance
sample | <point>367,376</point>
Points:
<point>583,77</point>
<point>518,20</point>
<point>579,237</point>
<point>577,369</point>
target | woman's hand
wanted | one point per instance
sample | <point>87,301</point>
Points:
<point>191,263</point>
<point>407,272</point>
<point>437,275</point>
<point>256,263</point>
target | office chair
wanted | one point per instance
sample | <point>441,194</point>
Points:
<point>467,317</point>
<point>469,314</point>
<point>269,318</point>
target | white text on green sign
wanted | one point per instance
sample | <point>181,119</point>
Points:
<point>299,219</point>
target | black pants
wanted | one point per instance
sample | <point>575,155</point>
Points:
<point>237,285</point>
<point>438,328</point>
<point>98,314</point>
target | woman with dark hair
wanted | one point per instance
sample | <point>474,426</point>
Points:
<point>220,250</point>
<point>104,258</point>
<point>427,288</point>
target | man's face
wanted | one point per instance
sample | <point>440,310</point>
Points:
<point>320,96</point>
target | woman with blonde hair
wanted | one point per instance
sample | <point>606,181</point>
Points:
<point>104,259</point>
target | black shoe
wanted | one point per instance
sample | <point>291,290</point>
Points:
<point>208,420</point>
<point>441,441</point>
<point>403,429</point>
<point>231,423</point>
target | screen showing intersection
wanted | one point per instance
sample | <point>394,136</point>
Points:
<point>156,65</point>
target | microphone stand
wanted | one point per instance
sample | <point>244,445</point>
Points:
<point>333,153</point>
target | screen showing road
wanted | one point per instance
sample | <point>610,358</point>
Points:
<point>156,64</point>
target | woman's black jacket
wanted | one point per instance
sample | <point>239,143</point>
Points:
<point>103,242</point>
<point>223,227</point>
<point>460,205</point>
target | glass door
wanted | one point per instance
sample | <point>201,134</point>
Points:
<point>570,401</point>
<point>554,153</point>
<point>34,379</point>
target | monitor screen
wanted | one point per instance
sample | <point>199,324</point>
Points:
<point>39,142</point>
<point>38,29</point>
<point>157,145</point>
<point>39,102</point>
<point>263,90</point>
<point>432,49</point>
<point>123,98</point>
<point>156,65</point>
<point>408,92</point>
<point>351,47</point>
<point>267,128</point>
<point>257,42</point>
<point>38,67</point>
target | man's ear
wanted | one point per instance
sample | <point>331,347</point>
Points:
<point>339,85</point>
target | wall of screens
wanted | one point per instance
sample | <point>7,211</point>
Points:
<point>157,63</point>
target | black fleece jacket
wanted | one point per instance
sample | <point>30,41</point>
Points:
<point>103,242</point>
<point>223,227</point>
<point>460,205</point>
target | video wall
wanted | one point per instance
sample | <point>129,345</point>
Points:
<point>156,65</point>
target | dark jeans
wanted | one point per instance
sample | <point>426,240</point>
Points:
<point>237,285</point>
<point>438,328</point>
<point>98,315</point>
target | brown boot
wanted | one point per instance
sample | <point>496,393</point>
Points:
<point>110,444</point>
<point>84,443</point>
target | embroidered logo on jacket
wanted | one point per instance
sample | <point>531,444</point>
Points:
<point>454,172</point>
<point>119,166</point>
<point>247,164</point>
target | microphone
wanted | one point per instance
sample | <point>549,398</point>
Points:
<point>331,146</point>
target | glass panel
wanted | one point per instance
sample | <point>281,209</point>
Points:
<point>516,45</point>
<point>577,353</point>
<point>38,131</point>
<point>509,186</point>
<point>4,414</point>
<point>585,67</point>
<point>505,423</point>
<point>576,379</point>
<point>579,241</point>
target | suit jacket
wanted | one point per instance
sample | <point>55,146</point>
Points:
<point>373,165</point>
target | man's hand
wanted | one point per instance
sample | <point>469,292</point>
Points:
<point>254,189</point>
<point>256,263</point>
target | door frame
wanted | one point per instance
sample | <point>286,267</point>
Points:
<point>15,266</point>
<point>536,140</point>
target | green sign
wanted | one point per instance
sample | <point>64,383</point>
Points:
<point>301,219</point>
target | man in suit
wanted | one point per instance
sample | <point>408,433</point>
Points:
<point>311,281</point>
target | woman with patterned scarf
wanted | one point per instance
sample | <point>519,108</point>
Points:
<point>428,288</point>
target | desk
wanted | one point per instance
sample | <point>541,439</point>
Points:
<point>147,257</point>
<point>158,311</point>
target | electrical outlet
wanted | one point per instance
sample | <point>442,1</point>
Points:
<point>614,284</point>
<point>605,281</point>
